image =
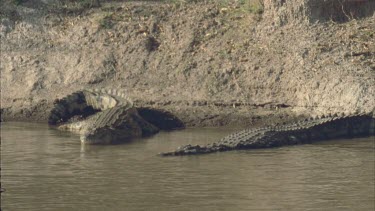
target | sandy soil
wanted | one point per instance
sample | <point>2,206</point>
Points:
<point>210,63</point>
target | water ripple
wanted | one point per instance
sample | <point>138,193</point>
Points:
<point>44,169</point>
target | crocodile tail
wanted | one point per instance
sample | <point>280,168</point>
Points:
<point>103,99</point>
<point>67,107</point>
<point>87,102</point>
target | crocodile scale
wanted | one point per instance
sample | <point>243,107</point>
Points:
<point>99,113</point>
<point>306,131</point>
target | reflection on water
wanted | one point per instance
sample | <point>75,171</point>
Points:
<point>44,169</point>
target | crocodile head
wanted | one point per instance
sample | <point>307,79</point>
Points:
<point>107,135</point>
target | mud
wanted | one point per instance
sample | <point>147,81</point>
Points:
<point>209,63</point>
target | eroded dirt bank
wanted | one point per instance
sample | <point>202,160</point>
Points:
<point>208,63</point>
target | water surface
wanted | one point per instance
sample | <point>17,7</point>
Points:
<point>44,169</point>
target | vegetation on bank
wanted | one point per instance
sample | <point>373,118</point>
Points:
<point>248,6</point>
<point>108,15</point>
<point>206,51</point>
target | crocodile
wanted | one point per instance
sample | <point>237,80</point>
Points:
<point>301,132</point>
<point>103,116</point>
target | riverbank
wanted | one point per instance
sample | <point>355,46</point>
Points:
<point>209,63</point>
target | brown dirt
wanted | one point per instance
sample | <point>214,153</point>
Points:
<point>208,63</point>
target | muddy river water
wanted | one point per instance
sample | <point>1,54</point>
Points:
<point>44,169</point>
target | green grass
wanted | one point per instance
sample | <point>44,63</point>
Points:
<point>106,22</point>
<point>18,2</point>
<point>251,6</point>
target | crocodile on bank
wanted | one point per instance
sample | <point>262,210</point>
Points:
<point>106,116</point>
<point>306,131</point>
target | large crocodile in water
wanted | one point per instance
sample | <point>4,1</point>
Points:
<point>106,116</point>
<point>306,131</point>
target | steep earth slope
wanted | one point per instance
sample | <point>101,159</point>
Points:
<point>209,63</point>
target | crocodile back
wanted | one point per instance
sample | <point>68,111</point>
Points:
<point>111,118</point>
<point>305,131</point>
